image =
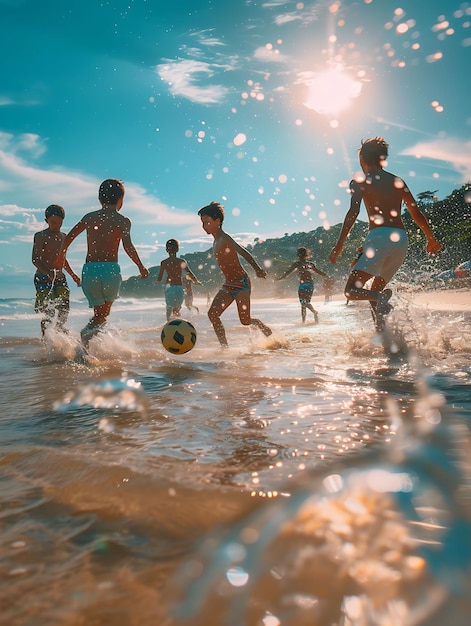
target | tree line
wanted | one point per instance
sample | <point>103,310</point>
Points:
<point>449,218</point>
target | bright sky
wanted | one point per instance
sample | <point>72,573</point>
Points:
<point>258,105</point>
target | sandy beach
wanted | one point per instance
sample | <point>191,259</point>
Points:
<point>453,300</point>
<point>441,300</point>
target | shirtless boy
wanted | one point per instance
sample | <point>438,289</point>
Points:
<point>188,287</point>
<point>237,285</point>
<point>101,274</point>
<point>52,291</point>
<point>173,266</point>
<point>385,246</point>
<point>304,266</point>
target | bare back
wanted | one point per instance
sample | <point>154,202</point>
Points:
<point>47,245</point>
<point>383,194</point>
<point>305,269</point>
<point>174,268</point>
<point>106,229</point>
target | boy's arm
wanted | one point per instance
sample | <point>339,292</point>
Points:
<point>349,220</point>
<point>245,254</point>
<point>36,256</point>
<point>161,273</point>
<point>191,275</point>
<point>318,271</point>
<point>72,274</point>
<point>433,246</point>
<point>289,271</point>
<point>75,231</point>
<point>131,250</point>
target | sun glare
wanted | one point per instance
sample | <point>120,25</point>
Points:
<point>331,92</point>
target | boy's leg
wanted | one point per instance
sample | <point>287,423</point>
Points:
<point>313,311</point>
<point>378,300</point>
<point>354,290</point>
<point>381,307</point>
<point>97,322</point>
<point>42,304</point>
<point>220,303</point>
<point>62,306</point>
<point>45,323</point>
<point>261,326</point>
<point>243,307</point>
<point>174,295</point>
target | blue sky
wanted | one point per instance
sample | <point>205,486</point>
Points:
<point>258,105</point>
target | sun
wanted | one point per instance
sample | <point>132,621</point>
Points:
<point>331,91</point>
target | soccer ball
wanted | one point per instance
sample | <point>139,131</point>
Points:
<point>178,336</point>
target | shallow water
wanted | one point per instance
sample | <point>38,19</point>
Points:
<point>320,476</point>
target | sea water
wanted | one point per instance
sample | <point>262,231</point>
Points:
<point>318,476</point>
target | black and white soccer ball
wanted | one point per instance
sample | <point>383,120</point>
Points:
<point>178,336</point>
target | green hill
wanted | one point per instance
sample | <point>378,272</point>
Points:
<point>450,219</point>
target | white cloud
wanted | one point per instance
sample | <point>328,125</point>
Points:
<point>77,192</point>
<point>272,55</point>
<point>8,210</point>
<point>183,75</point>
<point>26,190</point>
<point>453,151</point>
<point>30,143</point>
<point>205,38</point>
<point>306,16</point>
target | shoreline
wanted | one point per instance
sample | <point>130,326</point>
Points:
<point>453,300</point>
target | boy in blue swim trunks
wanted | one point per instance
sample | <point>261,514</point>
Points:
<point>385,246</point>
<point>52,291</point>
<point>304,266</point>
<point>101,274</point>
<point>174,267</point>
<point>237,285</point>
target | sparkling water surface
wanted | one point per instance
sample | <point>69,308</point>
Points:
<point>319,476</point>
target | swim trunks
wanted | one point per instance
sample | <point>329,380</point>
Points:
<point>101,282</point>
<point>235,287</point>
<point>305,291</point>
<point>384,251</point>
<point>48,290</point>
<point>174,296</point>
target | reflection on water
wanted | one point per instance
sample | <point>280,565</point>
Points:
<point>318,481</point>
<point>383,542</point>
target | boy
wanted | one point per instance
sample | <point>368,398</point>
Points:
<point>237,286</point>
<point>174,266</point>
<point>52,291</point>
<point>101,274</point>
<point>385,246</point>
<point>304,267</point>
<point>188,287</point>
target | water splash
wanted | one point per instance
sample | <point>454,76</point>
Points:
<point>121,395</point>
<point>383,543</point>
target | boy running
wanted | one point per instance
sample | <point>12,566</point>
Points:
<point>174,266</point>
<point>101,274</point>
<point>237,285</point>
<point>304,266</point>
<point>52,291</point>
<point>385,246</point>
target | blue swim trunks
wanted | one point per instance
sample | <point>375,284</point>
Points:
<point>101,282</point>
<point>174,295</point>
<point>305,291</point>
<point>234,288</point>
